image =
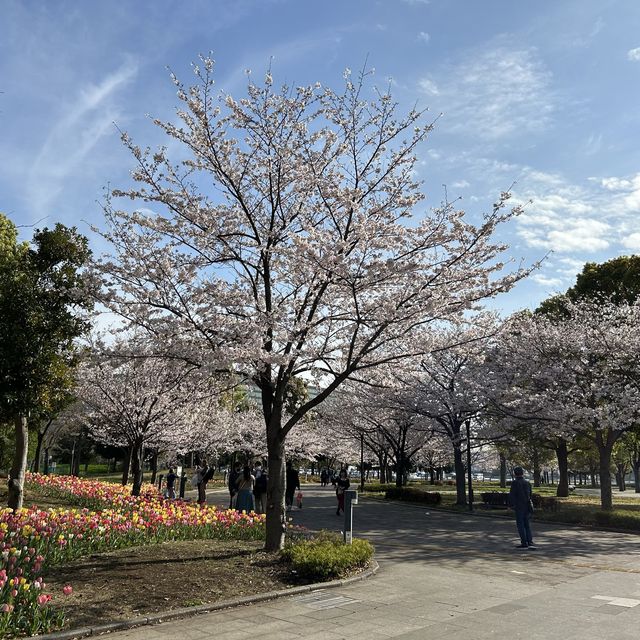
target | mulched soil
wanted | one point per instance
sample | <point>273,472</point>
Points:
<point>131,582</point>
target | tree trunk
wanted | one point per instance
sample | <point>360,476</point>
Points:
<point>592,474</point>
<point>154,466</point>
<point>563,469</point>
<point>536,468</point>
<point>503,471</point>
<point>605,446</point>
<point>125,466</point>
<point>636,475</point>
<point>46,461</point>
<point>276,524</point>
<point>17,473</point>
<point>432,475</point>
<point>458,463</point>
<point>38,454</point>
<point>136,468</point>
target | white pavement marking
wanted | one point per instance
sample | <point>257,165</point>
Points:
<point>618,602</point>
<point>322,600</point>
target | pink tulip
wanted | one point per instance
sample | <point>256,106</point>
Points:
<point>67,589</point>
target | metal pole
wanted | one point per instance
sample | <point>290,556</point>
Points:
<point>469,475</point>
<point>350,498</point>
<point>361,462</point>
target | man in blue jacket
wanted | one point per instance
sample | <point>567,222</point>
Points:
<point>520,502</point>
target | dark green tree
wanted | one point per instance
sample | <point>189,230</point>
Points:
<point>43,295</point>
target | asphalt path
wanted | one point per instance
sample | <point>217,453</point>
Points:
<point>446,575</point>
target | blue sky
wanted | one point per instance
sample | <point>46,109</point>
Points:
<point>544,94</point>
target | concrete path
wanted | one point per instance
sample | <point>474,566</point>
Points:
<point>445,575</point>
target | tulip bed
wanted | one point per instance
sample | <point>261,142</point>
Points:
<point>109,517</point>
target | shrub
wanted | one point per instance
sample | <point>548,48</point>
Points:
<point>412,494</point>
<point>618,519</point>
<point>545,503</point>
<point>378,487</point>
<point>324,558</point>
<point>495,498</point>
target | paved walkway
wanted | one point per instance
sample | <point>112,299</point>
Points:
<point>445,575</point>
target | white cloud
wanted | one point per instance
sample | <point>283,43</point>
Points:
<point>423,36</point>
<point>632,241</point>
<point>495,93</point>
<point>634,54</point>
<point>461,184</point>
<point>547,281</point>
<point>88,118</point>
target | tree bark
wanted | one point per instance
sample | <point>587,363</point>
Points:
<point>536,468</point>
<point>154,466</point>
<point>136,468</point>
<point>276,524</point>
<point>19,467</point>
<point>563,469</point>
<point>38,455</point>
<point>605,447</point>
<point>126,463</point>
<point>503,471</point>
<point>46,461</point>
<point>636,476</point>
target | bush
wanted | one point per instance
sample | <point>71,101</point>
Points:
<point>544,503</point>
<point>378,487</point>
<point>324,558</point>
<point>618,519</point>
<point>412,494</point>
<point>495,498</point>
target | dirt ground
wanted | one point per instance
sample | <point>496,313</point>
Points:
<point>154,578</point>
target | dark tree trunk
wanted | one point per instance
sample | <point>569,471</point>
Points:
<point>276,525</point>
<point>503,471</point>
<point>46,461</point>
<point>563,469</point>
<point>154,466</point>
<point>136,468</point>
<point>592,474</point>
<point>432,475</point>
<point>126,464</point>
<point>605,442</point>
<point>536,468</point>
<point>636,475</point>
<point>19,467</point>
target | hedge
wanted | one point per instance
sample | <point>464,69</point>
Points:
<point>412,495</point>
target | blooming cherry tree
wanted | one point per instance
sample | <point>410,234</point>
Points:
<point>284,244</point>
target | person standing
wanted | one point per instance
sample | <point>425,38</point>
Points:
<point>205,473</point>
<point>324,477</point>
<point>520,501</point>
<point>260,487</point>
<point>292,483</point>
<point>232,481</point>
<point>171,484</point>
<point>245,484</point>
<point>342,484</point>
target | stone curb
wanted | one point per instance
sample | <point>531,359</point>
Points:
<point>185,612</point>
<point>479,514</point>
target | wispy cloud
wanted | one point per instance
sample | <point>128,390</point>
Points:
<point>424,37</point>
<point>89,117</point>
<point>634,54</point>
<point>496,93</point>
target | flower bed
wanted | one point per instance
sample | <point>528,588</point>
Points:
<point>33,538</point>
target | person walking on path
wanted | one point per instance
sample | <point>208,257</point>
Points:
<point>292,483</point>
<point>244,499</point>
<point>232,482</point>
<point>342,484</point>
<point>171,484</point>
<point>324,477</point>
<point>260,488</point>
<point>520,501</point>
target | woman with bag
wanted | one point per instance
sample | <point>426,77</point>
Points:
<point>342,484</point>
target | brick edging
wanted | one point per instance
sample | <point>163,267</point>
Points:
<point>185,612</point>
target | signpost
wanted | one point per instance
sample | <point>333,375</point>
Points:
<point>350,498</point>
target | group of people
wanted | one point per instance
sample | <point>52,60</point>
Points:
<point>248,488</point>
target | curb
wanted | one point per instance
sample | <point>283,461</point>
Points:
<point>175,614</point>
<point>479,514</point>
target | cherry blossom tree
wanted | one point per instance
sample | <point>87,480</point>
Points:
<point>136,399</point>
<point>581,372</point>
<point>284,243</point>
